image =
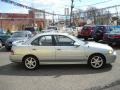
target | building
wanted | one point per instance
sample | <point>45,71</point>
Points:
<point>17,21</point>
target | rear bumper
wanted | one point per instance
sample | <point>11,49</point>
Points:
<point>16,58</point>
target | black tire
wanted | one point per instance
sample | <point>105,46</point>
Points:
<point>31,65</point>
<point>113,43</point>
<point>79,36</point>
<point>96,40</point>
<point>98,63</point>
<point>85,38</point>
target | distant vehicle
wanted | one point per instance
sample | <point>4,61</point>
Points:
<point>48,30</point>
<point>3,37</point>
<point>100,30</point>
<point>52,27</point>
<point>79,31</point>
<point>87,31</point>
<point>69,30</point>
<point>113,37</point>
<point>60,48</point>
<point>31,29</point>
<point>17,36</point>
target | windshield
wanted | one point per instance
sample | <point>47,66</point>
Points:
<point>115,30</point>
<point>19,34</point>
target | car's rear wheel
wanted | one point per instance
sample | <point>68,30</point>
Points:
<point>31,62</point>
<point>96,61</point>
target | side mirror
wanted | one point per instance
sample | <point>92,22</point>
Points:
<point>76,44</point>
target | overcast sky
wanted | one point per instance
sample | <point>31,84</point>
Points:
<point>54,5</point>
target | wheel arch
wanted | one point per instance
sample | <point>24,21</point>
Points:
<point>96,54</point>
<point>28,56</point>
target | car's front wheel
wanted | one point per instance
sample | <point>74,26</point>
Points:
<point>96,61</point>
<point>31,62</point>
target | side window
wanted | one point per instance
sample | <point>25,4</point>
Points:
<point>45,41</point>
<point>64,41</point>
<point>35,42</point>
<point>29,35</point>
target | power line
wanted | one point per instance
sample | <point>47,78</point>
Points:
<point>28,7</point>
<point>96,3</point>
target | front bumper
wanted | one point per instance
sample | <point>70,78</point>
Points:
<point>111,58</point>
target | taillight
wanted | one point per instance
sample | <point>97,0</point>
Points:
<point>115,36</point>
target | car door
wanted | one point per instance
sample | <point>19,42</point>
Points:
<point>43,47</point>
<point>65,49</point>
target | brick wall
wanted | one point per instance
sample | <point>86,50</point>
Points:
<point>16,21</point>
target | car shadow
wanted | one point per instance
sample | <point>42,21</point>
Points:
<point>50,70</point>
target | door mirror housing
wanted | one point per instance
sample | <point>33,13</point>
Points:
<point>76,44</point>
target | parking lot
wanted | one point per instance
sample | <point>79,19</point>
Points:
<point>57,77</point>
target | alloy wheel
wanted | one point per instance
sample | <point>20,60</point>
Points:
<point>96,62</point>
<point>30,63</point>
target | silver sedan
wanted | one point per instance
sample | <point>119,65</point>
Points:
<point>60,48</point>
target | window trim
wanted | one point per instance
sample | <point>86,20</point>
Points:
<point>53,44</point>
<point>62,35</point>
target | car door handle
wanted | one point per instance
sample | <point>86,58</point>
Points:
<point>33,49</point>
<point>58,49</point>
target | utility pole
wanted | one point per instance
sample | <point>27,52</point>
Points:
<point>1,22</point>
<point>44,17</point>
<point>53,19</point>
<point>71,13</point>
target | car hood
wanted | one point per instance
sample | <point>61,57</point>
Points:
<point>98,45</point>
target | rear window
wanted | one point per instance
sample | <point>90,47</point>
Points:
<point>87,28</point>
<point>55,28</point>
<point>100,28</point>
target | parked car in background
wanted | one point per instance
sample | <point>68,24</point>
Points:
<point>17,36</point>
<point>52,27</point>
<point>69,30</point>
<point>60,48</point>
<point>100,30</point>
<point>86,32</point>
<point>113,37</point>
<point>3,37</point>
<point>31,29</point>
<point>48,30</point>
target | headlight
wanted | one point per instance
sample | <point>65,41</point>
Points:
<point>110,51</point>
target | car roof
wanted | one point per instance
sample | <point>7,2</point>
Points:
<point>51,33</point>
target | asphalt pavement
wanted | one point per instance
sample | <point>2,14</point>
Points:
<point>58,77</point>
